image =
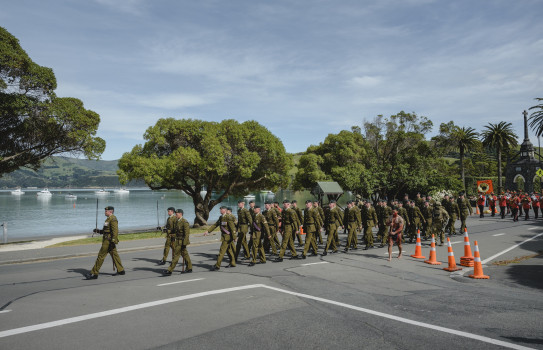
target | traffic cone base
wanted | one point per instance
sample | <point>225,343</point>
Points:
<point>478,268</point>
<point>433,258</point>
<point>418,248</point>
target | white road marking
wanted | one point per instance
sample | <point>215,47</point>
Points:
<point>498,234</point>
<point>167,284</point>
<point>508,249</point>
<point>46,325</point>
<point>457,242</point>
<point>322,262</point>
<point>4,311</point>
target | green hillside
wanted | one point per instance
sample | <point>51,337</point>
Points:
<point>67,172</point>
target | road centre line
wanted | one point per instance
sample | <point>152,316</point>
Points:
<point>498,234</point>
<point>534,228</point>
<point>508,249</point>
<point>253,286</point>
<point>167,284</point>
<point>322,262</point>
<point>4,311</point>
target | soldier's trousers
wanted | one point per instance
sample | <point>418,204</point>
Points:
<point>226,247</point>
<point>104,250</point>
<point>463,217</point>
<point>310,241</point>
<point>413,231</point>
<point>180,250</point>
<point>318,235</point>
<point>450,225</point>
<point>299,236</point>
<point>368,235</point>
<point>288,241</point>
<point>242,241</point>
<point>381,231</point>
<point>437,230</point>
<point>258,247</point>
<point>427,228</point>
<point>331,231</point>
<point>167,246</point>
<point>351,237</point>
<point>269,242</point>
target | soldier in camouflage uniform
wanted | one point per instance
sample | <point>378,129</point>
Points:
<point>289,225</point>
<point>298,211</point>
<point>369,220</point>
<point>170,223</point>
<point>273,223</point>
<point>352,221</point>
<point>181,241</point>
<point>465,210</point>
<point>311,222</point>
<point>260,230</point>
<point>332,221</point>
<point>439,218</point>
<point>110,238</point>
<point>454,213</point>
<point>318,236</point>
<point>245,220</point>
<point>383,217</point>
<point>415,219</point>
<point>228,229</point>
<point>427,212</point>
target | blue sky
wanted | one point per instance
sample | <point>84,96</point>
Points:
<point>303,69</point>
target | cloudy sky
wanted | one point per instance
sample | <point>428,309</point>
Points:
<point>303,69</point>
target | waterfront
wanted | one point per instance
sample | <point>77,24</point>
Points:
<point>30,216</point>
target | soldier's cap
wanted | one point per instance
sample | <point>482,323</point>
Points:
<point>229,208</point>
<point>332,201</point>
<point>308,201</point>
<point>286,201</point>
<point>276,203</point>
<point>171,208</point>
<point>109,207</point>
<point>257,206</point>
<point>223,207</point>
<point>267,202</point>
<point>241,201</point>
<point>294,201</point>
<point>349,202</point>
<point>179,211</point>
<point>251,201</point>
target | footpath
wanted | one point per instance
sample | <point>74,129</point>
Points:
<point>34,251</point>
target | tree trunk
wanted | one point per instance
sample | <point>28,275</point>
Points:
<point>462,169</point>
<point>499,171</point>
<point>201,210</point>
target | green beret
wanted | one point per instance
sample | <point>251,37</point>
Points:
<point>179,211</point>
<point>109,208</point>
<point>171,208</point>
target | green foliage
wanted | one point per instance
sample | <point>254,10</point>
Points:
<point>35,123</point>
<point>500,137</point>
<point>536,119</point>
<point>192,155</point>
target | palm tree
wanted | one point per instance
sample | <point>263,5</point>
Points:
<point>463,139</point>
<point>501,137</point>
<point>536,119</point>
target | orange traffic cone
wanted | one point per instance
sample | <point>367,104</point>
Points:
<point>452,263</point>
<point>302,231</point>
<point>433,258</point>
<point>467,259</point>
<point>478,268</point>
<point>477,210</point>
<point>418,248</point>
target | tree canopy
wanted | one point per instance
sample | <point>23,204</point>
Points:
<point>35,123</point>
<point>229,157</point>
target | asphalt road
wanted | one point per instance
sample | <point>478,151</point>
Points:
<point>357,300</point>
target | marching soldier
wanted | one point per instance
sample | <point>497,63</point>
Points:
<point>170,223</point>
<point>403,213</point>
<point>260,227</point>
<point>298,211</point>
<point>311,222</point>
<point>351,223</point>
<point>332,221</point>
<point>228,228</point>
<point>290,223</point>
<point>369,220</point>
<point>465,210</point>
<point>245,220</point>
<point>454,213</point>
<point>439,218</point>
<point>110,238</point>
<point>181,241</point>
<point>382,216</point>
<point>427,212</point>
<point>273,223</point>
<point>318,236</point>
<point>415,218</point>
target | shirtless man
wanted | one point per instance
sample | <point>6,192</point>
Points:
<point>396,224</point>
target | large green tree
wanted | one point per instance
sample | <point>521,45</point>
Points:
<point>462,139</point>
<point>536,118</point>
<point>35,123</point>
<point>501,137</point>
<point>230,158</point>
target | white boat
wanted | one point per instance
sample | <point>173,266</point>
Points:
<point>17,192</point>
<point>70,196</point>
<point>121,191</point>
<point>102,192</point>
<point>44,193</point>
<point>249,196</point>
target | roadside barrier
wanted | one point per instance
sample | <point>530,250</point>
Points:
<point>418,248</point>
<point>433,258</point>
<point>478,268</point>
<point>450,253</point>
<point>467,259</point>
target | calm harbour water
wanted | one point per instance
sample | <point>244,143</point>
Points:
<point>29,216</point>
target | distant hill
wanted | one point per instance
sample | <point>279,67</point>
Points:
<point>67,172</point>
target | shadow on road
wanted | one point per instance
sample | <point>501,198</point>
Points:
<point>525,340</point>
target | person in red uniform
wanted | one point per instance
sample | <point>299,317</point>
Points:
<point>514,204</point>
<point>535,205</point>
<point>502,202</point>
<point>481,205</point>
<point>526,204</point>
<point>492,199</point>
